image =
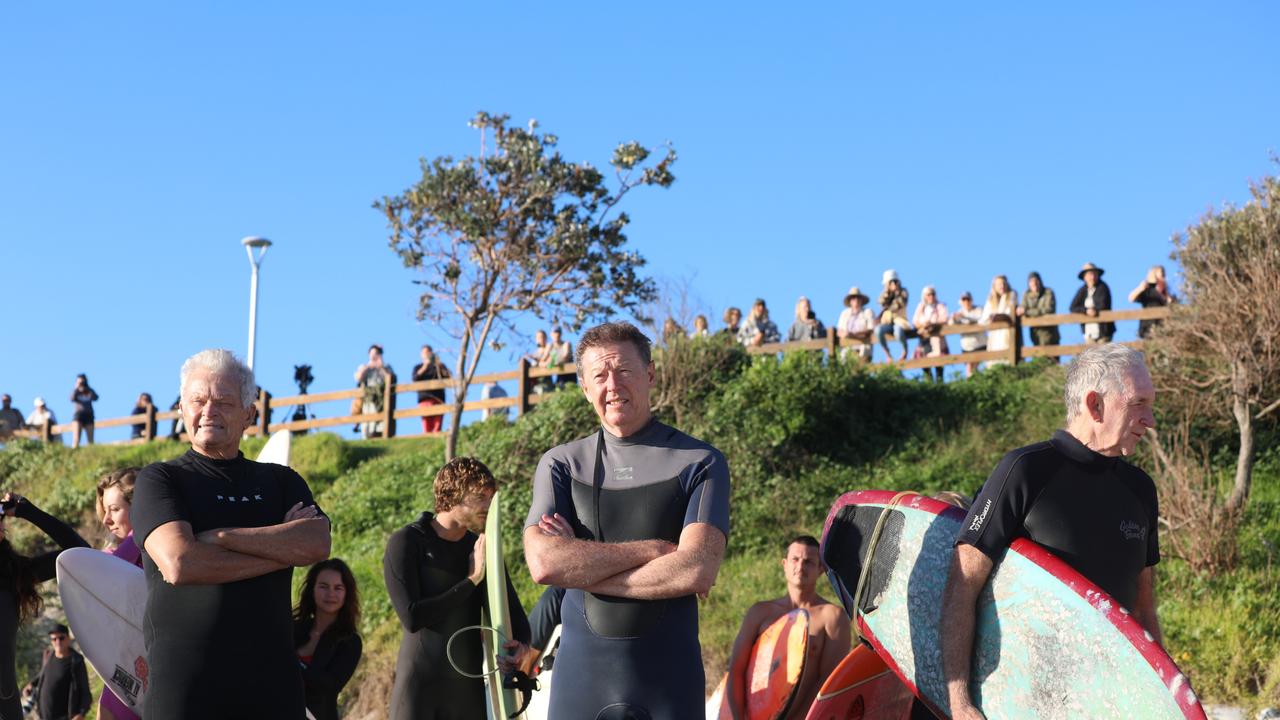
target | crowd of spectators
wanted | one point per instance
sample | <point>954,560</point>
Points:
<point>893,318</point>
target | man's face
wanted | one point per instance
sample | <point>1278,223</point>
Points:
<point>427,354</point>
<point>540,337</point>
<point>473,511</point>
<point>735,317</point>
<point>617,382</point>
<point>4,401</point>
<point>60,643</point>
<point>212,412</point>
<point>801,566</point>
<point>1125,415</point>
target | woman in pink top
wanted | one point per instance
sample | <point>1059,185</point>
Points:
<point>930,316</point>
<point>115,497</point>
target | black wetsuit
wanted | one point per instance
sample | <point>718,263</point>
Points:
<point>426,578</point>
<point>631,658</point>
<point>331,666</point>
<point>1095,512</point>
<point>42,567</point>
<point>219,651</point>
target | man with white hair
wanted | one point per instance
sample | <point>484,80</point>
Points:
<point>1073,494</point>
<point>221,535</point>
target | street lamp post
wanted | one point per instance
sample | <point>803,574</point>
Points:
<point>261,245</point>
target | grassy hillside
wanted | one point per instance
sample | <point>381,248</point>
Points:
<point>797,434</point>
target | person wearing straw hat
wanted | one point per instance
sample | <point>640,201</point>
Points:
<point>1092,298</point>
<point>893,314</point>
<point>856,322</point>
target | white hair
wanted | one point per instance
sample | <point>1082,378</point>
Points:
<point>1102,369</point>
<point>221,362</point>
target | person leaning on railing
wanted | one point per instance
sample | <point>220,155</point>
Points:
<point>806,326</point>
<point>1038,302</point>
<point>893,314</point>
<point>1152,292</point>
<point>969,314</point>
<point>929,318</point>
<point>758,329</point>
<point>1001,305</point>
<point>1092,298</point>
<point>857,322</point>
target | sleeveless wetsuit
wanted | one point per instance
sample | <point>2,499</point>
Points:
<point>1096,513</point>
<point>634,659</point>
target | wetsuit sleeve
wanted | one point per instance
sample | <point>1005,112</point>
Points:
<point>335,674</point>
<point>156,501</point>
<point>997,514</point>
<point>545,617</point>
<point>404,586</point>
<point>1152,502</point>
<point>544,492</point>
<point>709,497</point>
<point>519,621</point>
<point>43,566</point>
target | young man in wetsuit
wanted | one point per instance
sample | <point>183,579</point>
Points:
<point>221,535</point>
<point>632,521</point>
<point>1075,495</point>
<point>828,629</point>
<point>434,568</point>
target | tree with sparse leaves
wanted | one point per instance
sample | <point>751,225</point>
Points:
<point>1217,357</point>
<point>519,229</point>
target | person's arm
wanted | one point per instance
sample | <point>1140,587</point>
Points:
<point>294,543</point>
<point>740,657</point>
<point>183,560</point>
<point>81,696</point>
<point>44,566</point>
<point>341,665</point>
<point>1077,302</point>
<point>420,372</point>
<point>359,373</point>
<point>690,570</point>
<point>415,609</point>
<point>836,645</point>
<point>1102,297</point>
<point>970,568</point>
<point>1145,610</point>
<point>568,562</point>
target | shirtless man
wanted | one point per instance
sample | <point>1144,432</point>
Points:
<point>828,629</point>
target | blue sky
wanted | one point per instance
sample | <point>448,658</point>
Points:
<point>819,145</point>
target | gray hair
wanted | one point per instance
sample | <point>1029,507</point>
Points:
<point>1102,369</point>
<point>222,362</point>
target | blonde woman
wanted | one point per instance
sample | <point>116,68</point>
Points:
<point>806,326</point>
<point>115,500</point>
<point>1002,304</point>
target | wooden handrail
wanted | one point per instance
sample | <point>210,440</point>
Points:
<point>527,377</point>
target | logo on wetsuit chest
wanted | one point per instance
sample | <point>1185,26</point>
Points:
<point>1133,530</point>
<point>239,498</point>
<point>624,473</point>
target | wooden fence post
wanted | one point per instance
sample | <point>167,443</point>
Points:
<point>1016,346</point>
<point>149,429</point>
<point>389,408</point>
<point>833,344</point>
<point>46,431</point>
<point>264,412</point>
<point>522,387</point>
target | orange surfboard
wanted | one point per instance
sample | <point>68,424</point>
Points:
<point>862,688</point>
<point>774,671</point>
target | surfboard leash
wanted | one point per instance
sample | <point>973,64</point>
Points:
<point>517,680</point>
<point>865,572</point>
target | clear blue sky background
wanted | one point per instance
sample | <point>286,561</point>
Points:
<point>818,146</point>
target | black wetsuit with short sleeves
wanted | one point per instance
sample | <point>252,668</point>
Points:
<point>623,658</point>
<point>220,651</point>
<point>1095,512</point>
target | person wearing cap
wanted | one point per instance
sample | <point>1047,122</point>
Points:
<point>758,329</point>
<point>41,415</point>
<point>1092,298</point>
<point>969,314</point>
<point>856,322</point>
<point>807,326</point>
<point>893,314</point>
<point>10,419</point>
<point>1038,302</point>
<point>930,316</point>
<point>1002,303</point>
<point>62,687</point>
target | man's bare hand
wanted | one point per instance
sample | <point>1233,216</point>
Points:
<point>475,568</point>
<point>301,512</point>
<point>555,526</point>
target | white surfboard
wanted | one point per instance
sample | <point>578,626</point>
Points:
<point>104,598</point>
<point>540,704</point>
<point>277,448</point>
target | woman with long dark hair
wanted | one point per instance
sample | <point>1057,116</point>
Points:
<point>326,634</point>
<point>19,598</point>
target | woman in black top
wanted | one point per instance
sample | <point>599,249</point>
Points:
<point>82,397</point>
<point>19,598</point>
<point>325,633</point>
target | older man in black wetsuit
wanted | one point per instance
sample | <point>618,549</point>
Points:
<point>1073,494</point>
<point>220,537</point>
<point>632,521</point>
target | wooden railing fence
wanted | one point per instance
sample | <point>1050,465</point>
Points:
<point>528,391</point>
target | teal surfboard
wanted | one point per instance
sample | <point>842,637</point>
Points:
<point>497,615</point>
<point>1048,642</point>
